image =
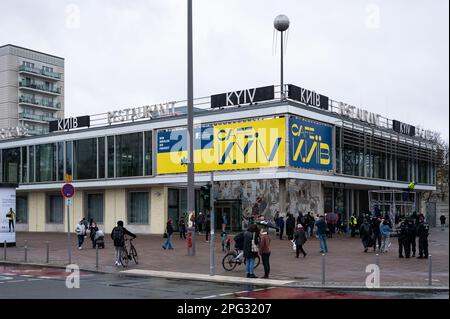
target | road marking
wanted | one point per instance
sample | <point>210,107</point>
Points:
<point>34,279</point>
<point>26,275</point>
<point>16,281</point>
<point>245,298</point>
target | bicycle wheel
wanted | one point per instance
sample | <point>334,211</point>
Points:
<point>229,262</point>
<point>134,254</point>
<point>257,261</point>
<point>124,257</point>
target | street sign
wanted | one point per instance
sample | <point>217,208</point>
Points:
<point>69,201</point>
<point>68,190</point>
<point>67,178</point>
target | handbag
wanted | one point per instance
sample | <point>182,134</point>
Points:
<point>254,246</point>
<point>294,246</point>
<point>165,235</point>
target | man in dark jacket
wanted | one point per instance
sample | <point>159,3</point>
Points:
<point>251,236</point>
<point>365,232</point>
<point>422,233</point>
<point>412,234</point>
<point>376,221</point>
<point>442,218</point>
<point>290,226</point>
<point>300,240</point>
<point>403,240</point>
<point>118,236</point>
<point>322,233</point>
<point>280,225</point>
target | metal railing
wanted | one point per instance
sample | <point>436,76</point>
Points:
<point>55,75</point>
<point>40,87</point>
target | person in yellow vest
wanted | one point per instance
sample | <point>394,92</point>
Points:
<point>10,215</point>
<point>353,224</point>
<point>411,185</point>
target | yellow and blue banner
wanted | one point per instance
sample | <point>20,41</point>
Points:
<point>310,144</point>
<point>232,146</point>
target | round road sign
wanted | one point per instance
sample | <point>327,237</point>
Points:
<point>68,190</point>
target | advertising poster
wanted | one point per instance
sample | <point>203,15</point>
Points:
<point>231,146</point>
<point>310,144</point>
<point>7,215</point>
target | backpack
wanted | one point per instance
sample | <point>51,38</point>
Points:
<point>366,229</point>
<point>118,236</point>
<point>239,239</point>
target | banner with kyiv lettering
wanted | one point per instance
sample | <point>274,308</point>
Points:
<point>232,146</point>
<point>310,144</point>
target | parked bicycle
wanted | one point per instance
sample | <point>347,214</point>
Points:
<point>234,258</point>
<point>127,255</point>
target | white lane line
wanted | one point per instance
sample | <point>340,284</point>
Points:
<point>34,279</point>
<point>26,275</point>
<point>245,298</point>
<point>16,281</point>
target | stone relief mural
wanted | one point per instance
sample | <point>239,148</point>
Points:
<point>261,196</point>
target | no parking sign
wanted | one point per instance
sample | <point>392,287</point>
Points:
<point>68,190</point>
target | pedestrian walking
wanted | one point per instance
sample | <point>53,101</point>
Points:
<point>290,226</point>
<point>80,230</point>
<point>182,228</point>
<point>365,232</point>
<point>93,229</point>
<point>422,233</point>
<point>168,235</point>
<point>200,222</point>
<point>311,222</point>
<point>118,236</point>
<point>275,219</point>
<point>385,231</point>
<point>224,222</point>
<point>442,218</point>
<point>281,225</point>
<point>412,234</point>
<point>251,237</point>
<point>207,226</point>
<point>376,223</point>
<point>86,226</point>
<point>322,234</point>
<point>299,240</point>
<point>403,240</point>
<point>264,250</point>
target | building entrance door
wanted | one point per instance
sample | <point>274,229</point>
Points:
<point>231,210</point>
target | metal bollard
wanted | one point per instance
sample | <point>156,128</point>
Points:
<point>96,256</point>
<point>48,252</point>
<point>4,250</point>
<point>323,269</point>
<point>429,270</point>
<point>26,251</point>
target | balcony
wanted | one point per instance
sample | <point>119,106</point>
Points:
<point>34,117</point>
<point>39,72</point>
<point>39,88</point>
<point>37,131</point>
<point>30,101</point>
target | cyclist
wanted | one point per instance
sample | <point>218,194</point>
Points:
<point>239,245</point>
<point>118,236</point>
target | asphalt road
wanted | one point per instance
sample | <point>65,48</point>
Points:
<point>48,283</point>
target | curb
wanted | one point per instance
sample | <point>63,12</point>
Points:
<point>140,273</point>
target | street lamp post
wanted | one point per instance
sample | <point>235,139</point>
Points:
<point>190,125</point>
<point>281,23</point>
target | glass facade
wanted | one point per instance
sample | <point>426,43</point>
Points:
<point>138,207</point>
<point>55,209</point>
<point>45,163</point>
<point>129,155</point>
<point>11,165</point>
<point>85,159</point>
<point>95,207</point>
<point>101,157</point>
<point>21,209</point>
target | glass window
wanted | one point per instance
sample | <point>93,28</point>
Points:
<point>24,178</point>
<point>46,163</point>
<point>60,161</point>
<point>95,207</point>
<point>423,172</point>
<point>148,152</point>
<point>55,209</point>
<point>402,170</point>
<point>69,158</point>
<point>21,210</point>
<point>85,159</point>
<point>110,156</point>
<point>31,149</point>
<point>173,207</point>
<point>138,208</point>
<point>129,155</point>
<point>11,165</point>
<point>101,157</point>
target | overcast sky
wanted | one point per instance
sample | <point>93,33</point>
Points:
<point>389,57</point>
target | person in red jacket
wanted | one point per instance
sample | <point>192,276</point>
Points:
<point>264,249</point>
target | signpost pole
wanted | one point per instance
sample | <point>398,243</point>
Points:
<point>69,250</point>
<point>212,266</point>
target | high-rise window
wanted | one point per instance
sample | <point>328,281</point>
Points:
<point>138,208</point>
<point>101,157</point>
<point>85,159</point>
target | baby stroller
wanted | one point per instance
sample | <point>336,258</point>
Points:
<point>99,239</point>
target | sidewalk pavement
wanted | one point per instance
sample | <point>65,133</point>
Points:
<point>345,263</point>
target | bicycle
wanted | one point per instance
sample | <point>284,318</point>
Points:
<point>232,259</point>
<point>126,256</point>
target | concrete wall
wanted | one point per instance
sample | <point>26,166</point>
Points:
<point>159,209</point>
<point>36,211</point>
